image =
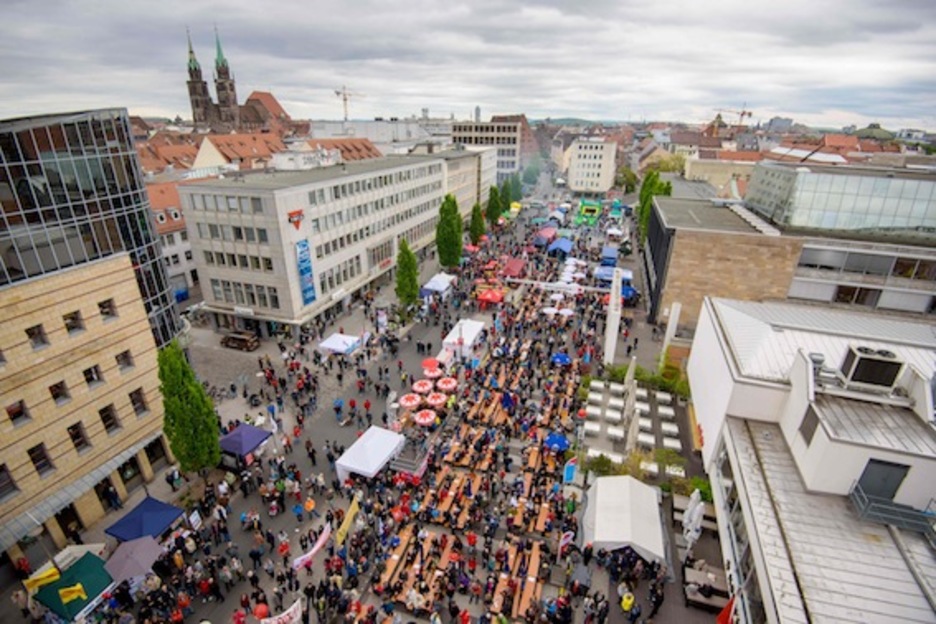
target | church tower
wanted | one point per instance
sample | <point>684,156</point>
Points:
<point>228,110</point>
<point>202,107</point>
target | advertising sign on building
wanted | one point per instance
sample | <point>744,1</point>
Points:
<point>306,280</point>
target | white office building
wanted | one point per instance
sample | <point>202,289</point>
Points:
<point>591,165</point>
<point>818,438</point>
<point>510,134</point>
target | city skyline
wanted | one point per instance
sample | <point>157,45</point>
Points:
<point>826,65</point>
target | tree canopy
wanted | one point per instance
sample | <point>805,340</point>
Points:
<point>449,232</point>
<point>407,277</point>
<point>476,227</point>
<point>516,189</point>
<point>626,179</point>
<point>494,208</point>
<point>652,186</point>
<point>190,422</point>
<point>531,174</point>
<point>505,195</point>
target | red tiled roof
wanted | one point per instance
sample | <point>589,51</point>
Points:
<point>163,197</point>
<point>840,141</point>
<point>351,149</point>
<point>246,147</point>
<point>270,103</point>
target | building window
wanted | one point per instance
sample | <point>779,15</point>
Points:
<point>256,205</point>
<point>78,437</point>
<point>37,337</point>
<point>188,255</point>
<point>59,392</point>
<point>124,360</point>
<point>109,418</point>
<point>108,309</point>
<point>93,376</point>
<point>183,235</point>
<point>809,425</point>
<point>138,401</point>
<point>209,257</point>
<point>40,459</point>
<point>262,236</point>
<point>7,484</point>
<point>18,413</point>
<point>267,264</point>
<point>73,322</point>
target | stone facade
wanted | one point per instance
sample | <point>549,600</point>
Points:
<point>718,173</point>
<point>726,264</point>
<point>86,361</point>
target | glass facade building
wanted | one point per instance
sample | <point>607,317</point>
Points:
<point>844,198</point>
<point>71,192</point>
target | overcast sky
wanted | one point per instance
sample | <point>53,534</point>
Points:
<point>822,62</point>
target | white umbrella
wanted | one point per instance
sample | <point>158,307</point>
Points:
<point>692,524</point>
<point>571,261</point>
<point>614,232</point>
<point>556,297</point>
<point>579,275</point>
<point>566,277</point>
<point>550,311</point>
<point>566,311</point>
<point>695,500</point>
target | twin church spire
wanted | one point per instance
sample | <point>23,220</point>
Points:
<point>225,114</point>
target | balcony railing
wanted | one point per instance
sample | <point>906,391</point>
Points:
<point>884,511</point>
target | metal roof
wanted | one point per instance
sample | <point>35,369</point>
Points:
<point>765,337</point>
<point>875,424</point>
<point>823,564</point>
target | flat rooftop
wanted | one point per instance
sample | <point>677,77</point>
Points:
<point>701,214</point>
<point>270,180</point>
<point>855,170</point>
<point>824,564</point>
<point>875,425</point>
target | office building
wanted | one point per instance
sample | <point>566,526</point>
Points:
<point>86,303</point>
<point>818,439</point>
<point>697,248</point>
<point>844,198</point>
<point>275,250</point>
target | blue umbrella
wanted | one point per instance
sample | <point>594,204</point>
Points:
<point>557,441</point>
<point>339,403</point>
<point>561,359</point>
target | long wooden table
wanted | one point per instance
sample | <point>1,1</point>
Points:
<point>390,571</point>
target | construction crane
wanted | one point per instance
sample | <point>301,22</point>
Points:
<point>741,113</point>
<point>346,95</point>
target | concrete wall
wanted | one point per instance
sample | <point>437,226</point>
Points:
<point>729,265</point>
<point>718,172</point>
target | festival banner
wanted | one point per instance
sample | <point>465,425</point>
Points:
<point>301,561</point>
<point>306,279</point>
<point>346,525</point>
<point>292,615</point>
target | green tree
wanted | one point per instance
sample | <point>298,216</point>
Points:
<point>449,232</point>
<point>493,211</point>
<point>626,179</point>
<point>672,164</point>
<point>505,196</point>
<point>516,189</point>
<point>407,278</point>
<point>652,186</point>
<point>189,420</point>
<point>476,226</point>
<point>531,174</point>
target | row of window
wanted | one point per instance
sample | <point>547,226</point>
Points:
<point>486,140</point>
<point>243,261</point>
<point>173,260</point>
<point>418,232</point>
<point>174,213</point>
<point>169,240</point>
<point>342,272</point>
<point>73,321</point>
<point>371,229</point>
<point>485,128</point>
<point>506,165</point>
<point>244,205</point>
<point>868,264</point>
<point>39,455</point>
<point>253,295</point>
<point>337,218</point>
<point>234,233</point>
<point>348,189</point>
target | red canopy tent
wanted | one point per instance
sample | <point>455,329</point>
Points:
<point>513,268</point>
<point>491,296</point>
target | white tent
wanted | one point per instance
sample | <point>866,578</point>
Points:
<point>340,343</point>
<point>369,453</point>
<point>463,337</point>
<point>621,512</point>
<point>440,283</point>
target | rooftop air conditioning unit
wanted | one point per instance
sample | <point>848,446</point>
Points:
<point>870,369</point>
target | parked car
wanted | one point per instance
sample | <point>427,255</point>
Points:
<point>245,341</point>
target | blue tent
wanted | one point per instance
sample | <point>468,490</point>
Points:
<point>151,517</point>
<point>243,440</point>
<point>562,244</point>
<point>540,241</point>
<point>604,274</point>
<point>556,440</point>
<point>609,252</point>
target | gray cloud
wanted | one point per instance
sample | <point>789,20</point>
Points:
<point>829,63</point>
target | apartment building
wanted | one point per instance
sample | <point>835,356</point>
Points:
<point>591,165</point>
<point>510,134</point>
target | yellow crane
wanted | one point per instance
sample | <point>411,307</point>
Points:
<point>740,113</point>
<point>345,96</point>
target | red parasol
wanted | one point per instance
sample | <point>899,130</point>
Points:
<point>430,363</point>
<point>436,399</point>
<point>410,401</point>
<point>447,384</point>
<point>432,373</point>
<point>425,417</point>
<point>423,386</point>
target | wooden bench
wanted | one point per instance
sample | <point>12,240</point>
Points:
<point>393,561</point>
<point>502,579</point>
<point>650,468</point>
<point>646,440</point>
<point>713,603</point>
<point>530,588</point>
<point>415,567</point>
<point>645,424</point>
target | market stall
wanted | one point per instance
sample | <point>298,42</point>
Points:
<point>342,343</point>
<point>369,453</point>
<point>621,512</point>
<point>464,337</point>
<point>151,517</point>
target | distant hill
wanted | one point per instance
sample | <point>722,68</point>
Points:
<point>572,121</point>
